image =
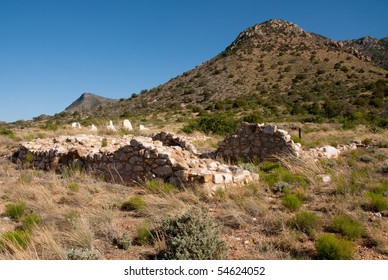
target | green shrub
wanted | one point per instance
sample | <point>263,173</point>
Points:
<point>268,165</point>
<point>220,194</point>
<point>73,186</point>
<point>30,221</point>
<point>366,158</point>
<point>6,132</point>
<point>136,202</point>
<point>347,226</point>
<point>15,210</point>
<point>291,202</point>
<point>144,235</point>
<point>192,236</point>
<point>18,239</point>
<point>382,188</point>
<point>330,247</point>
<point>377,201</point>
<point>307,222</point>
<point>218,123</point>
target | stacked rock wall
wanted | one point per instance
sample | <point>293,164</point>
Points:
<point>126,160</point>
<point>253,140</point>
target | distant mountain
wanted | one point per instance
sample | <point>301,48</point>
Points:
<point>88,101</point>
<point>376,49</point>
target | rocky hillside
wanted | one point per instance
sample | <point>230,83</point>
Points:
<point>276,70</point>
<point>376,49</point>
<point>88,101</point>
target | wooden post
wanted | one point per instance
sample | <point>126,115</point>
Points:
<point>300,133</point>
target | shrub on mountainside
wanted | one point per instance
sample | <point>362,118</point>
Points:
<point>330,247</point>
<point>218,123</point>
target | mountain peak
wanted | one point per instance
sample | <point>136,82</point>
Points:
<point>88,101</point>
<point>87,94</point>
<point>276,28</point>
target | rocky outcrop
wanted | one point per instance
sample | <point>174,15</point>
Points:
<point>257,141</point>
<point>132,159</point>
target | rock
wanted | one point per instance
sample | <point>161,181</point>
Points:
<point>228,178</point>
<point>218,179</point>
<point>111,127</point>
<point>127,125</point>
<point>76,125</point>
<point>378,215</point>
<point>163,171</point>
<point>93,128</point>
<point>142,127</point>
<point>330,151</point>
<point>326,179</point>
<point>269,129</point>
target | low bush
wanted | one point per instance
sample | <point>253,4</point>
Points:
<point>192,236</point>
<point>366,158</point>
<point>307,222</point>
<point>330,247</point>
<point>144,235</point>
<point>30,221</point>
<point>268,166</point>
<point>15,210</point>
<point>136,202</point>
<point>377,201</point>
<point>73,186</point>
<point>82,254</point>
<point>382,188</point>
<point>15,239</point>
<point>347,226</point>
<point>218,123</point>
<point>123,242</point>
<point>6,132</point>
<point>291,202</point>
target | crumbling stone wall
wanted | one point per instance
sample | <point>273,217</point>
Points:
<point>129,159</point>
<point>253,140</point>
<point>170,139</point>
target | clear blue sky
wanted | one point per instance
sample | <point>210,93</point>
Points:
<point>51,51</point>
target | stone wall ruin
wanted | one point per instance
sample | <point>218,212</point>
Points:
<point>132,159</point>
<point>257,141</point>
<point>172,158</point>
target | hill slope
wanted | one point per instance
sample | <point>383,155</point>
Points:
<point>275,69</point>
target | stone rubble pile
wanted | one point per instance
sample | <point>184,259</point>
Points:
<point>330,151</point>
<point>132,159</point>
